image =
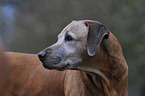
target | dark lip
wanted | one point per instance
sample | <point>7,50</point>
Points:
<point>55,68</point>
<point>63,68</point>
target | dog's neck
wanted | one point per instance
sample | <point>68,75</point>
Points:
<point>80,83</point>
<point>94,85</point>
<point>117,69</point>
<point>109,64</point>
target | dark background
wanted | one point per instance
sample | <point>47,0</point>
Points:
<point>31,25</point>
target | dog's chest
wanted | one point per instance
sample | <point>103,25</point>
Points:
<point>73,85</point>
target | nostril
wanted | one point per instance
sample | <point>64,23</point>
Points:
<point>41,55</point>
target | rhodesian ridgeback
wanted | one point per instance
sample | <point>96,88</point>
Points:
<point>83,45</point>
<point>89,47</point>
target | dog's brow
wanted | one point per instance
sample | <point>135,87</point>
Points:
<point>64,30</point>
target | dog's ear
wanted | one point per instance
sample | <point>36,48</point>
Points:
<point>96,33</point>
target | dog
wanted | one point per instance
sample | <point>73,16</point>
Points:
<point>104,74</point>
<point>94,52</point>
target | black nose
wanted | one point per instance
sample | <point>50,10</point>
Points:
<point>41,55</point>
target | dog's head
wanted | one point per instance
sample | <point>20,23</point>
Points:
<point>77,42</point>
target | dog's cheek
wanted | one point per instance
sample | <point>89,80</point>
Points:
<point>72,53</point>
<point>69,49</point>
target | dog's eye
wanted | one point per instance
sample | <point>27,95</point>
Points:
<point>68,38</point>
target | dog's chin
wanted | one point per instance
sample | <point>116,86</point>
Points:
<point>56,67</point>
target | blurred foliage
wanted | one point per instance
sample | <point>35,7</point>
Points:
<point>31,25</point>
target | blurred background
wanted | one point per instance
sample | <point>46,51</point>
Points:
<point>31,25</point>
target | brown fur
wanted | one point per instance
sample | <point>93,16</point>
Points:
<point>29,78</point>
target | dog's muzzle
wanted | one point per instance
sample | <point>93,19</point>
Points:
<point>49,60</point>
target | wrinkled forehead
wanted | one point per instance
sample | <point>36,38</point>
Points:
<point>75,27</point>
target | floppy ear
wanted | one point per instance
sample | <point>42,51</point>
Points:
<point>97,32</point>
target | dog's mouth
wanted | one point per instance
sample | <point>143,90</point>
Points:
<point>65,67</point>
<point>56,67</point>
